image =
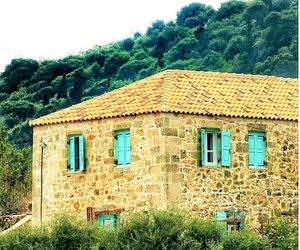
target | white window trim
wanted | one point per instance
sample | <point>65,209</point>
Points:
<point>214,150</point>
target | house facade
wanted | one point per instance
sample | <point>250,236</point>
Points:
<point>214,144</point>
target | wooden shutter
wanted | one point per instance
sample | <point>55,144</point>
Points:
<point>225,144</point>
<point>127,146</point>
<point>72,154</point>
<point>120,148</point>
<point>251,149</point>
<point>90,211</point>
<point>257,149</point>
<point>203,158</point>
<point>260,150</point>
<point>81,153</point>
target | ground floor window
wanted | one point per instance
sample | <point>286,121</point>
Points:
<point>108,220</point>
<point>231,220</point>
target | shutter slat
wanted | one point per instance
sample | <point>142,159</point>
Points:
<point>225,144</point>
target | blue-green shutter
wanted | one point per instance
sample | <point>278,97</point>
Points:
<point>120,148</point>
<point>127,147</point>
<point>260,150</point>
<point>72,154</point>
<point>225,144</point>
<point>81,153</point>
<point>257,149</point>
<point>203,147</point>
<point>251,149</point>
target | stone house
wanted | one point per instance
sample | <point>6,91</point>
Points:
<point>213,144</point>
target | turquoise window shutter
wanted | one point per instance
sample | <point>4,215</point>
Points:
<point>225,144</point>
<point>251,149</point>
<point>260,150</point>
<point>81,153</point>
<point>120,148</point>
<point>127,147</point>
<point>203,147</point>
<point>72,154</point>
<point>257,149</point>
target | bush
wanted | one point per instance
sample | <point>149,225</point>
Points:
<point>245,240</point>
<point>68,232</point>
<point>282,234</point>
<point>26,239</point>
<point>65,232</point>
<point>151,230</point>
<point>202,234</point>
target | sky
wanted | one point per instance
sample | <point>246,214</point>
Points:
<point>52,29</point>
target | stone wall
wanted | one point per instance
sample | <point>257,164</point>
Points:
<point>262,194</point>
<point>102,185</point>
<point>165,169</point>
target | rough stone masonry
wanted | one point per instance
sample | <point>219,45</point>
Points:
<point>165,169</point>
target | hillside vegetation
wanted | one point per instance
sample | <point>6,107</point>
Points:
<point>258,37</point>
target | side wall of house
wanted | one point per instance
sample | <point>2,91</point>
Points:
<point>263,194</point>
<point>102,185</point>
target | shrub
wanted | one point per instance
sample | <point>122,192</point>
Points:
<point>202,234</point>
<point>151,230</point>
<point>68,232</point>
<point>26,239</point>
<point>282,234</point>
<point>245,240</point>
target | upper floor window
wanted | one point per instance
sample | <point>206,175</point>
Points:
<point>257,149</point>
<point>76,153</point>
<point>215,147</point>
<point>122,147</point>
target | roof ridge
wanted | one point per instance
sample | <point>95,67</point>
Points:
<point>229,74</point>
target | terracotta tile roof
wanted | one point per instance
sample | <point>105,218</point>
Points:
<point>191,92</point>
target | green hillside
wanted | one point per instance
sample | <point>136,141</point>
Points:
<point>258,37</point>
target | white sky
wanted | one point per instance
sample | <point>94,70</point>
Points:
<point>42,29</point>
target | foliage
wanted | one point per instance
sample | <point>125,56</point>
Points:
<point>65,232</point>
<point>168,229</point>
<point>245,241</point>
<point>282,234</point>
<point>68,232</point>
<point>15,175</point>
<point>257,36</point>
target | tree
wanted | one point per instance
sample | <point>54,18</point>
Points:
<point>195,14</point>
<point>18,71</point>
<point>15,175</point>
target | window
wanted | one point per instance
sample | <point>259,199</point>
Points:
<point>108,220</point>
<point>257,149</point>
<point>76,153</point>
<point>230,221</point>
<point>122,147</point>
<point>215,147</point>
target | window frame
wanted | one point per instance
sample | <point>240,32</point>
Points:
<point>216,143</point>
<point>214,149</point>
<point>114,217</point>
